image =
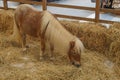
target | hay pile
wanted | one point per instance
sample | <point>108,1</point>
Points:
<point>16,64</point>
<point>6,20</point>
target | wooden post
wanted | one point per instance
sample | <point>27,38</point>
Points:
<point>97,11</point>
<point>44,4</point>
<point>5,4</point>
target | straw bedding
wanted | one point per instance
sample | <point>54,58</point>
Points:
<point>15,64</point>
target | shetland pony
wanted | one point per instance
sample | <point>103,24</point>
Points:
<point>46,27</point>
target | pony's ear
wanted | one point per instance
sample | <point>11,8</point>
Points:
<point>72,44</point>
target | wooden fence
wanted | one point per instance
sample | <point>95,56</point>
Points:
<point>44,4</point>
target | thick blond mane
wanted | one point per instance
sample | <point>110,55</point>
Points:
<point>79,45</point>
<point>58,30</point>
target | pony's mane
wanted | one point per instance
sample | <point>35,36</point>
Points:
<point>55,25</point>
<point>79,45</point>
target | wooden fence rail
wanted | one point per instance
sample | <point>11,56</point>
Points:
<point>44,5</point>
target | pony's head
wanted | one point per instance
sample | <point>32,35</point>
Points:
<point>75,50</point>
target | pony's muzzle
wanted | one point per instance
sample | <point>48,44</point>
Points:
<point>76,64</point>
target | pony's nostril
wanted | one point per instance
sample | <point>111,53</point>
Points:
<point>77,65</point>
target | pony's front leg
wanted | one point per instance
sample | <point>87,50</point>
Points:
<point>52,52</point>
<point>42,51</point>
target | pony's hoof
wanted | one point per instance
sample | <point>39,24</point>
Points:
<point>77,65</point>
<point>24,49</point>
<point>27,46</point>
<point>41,58</point>
<point>52,58</point>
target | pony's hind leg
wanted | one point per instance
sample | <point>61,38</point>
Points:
<point>23,40</point>
<point>22,34</point>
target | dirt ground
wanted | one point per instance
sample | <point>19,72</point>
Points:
<point>15,64</point>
